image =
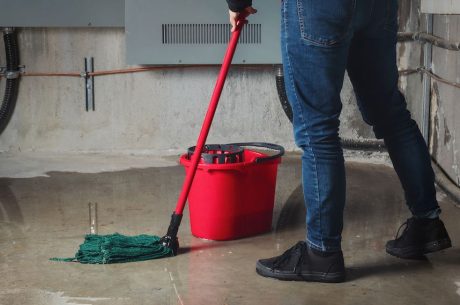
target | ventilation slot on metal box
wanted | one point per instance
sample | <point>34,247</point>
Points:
<point>208,34</point>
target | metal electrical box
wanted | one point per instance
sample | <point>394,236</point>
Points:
<point>62,13</point>
<point>197,32</point>
<point>441,6</point>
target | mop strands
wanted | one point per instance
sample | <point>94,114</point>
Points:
<point>118,248</point>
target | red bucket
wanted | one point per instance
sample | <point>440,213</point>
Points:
<point>234,200</point>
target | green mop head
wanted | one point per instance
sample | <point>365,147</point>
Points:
<point>117,248</point>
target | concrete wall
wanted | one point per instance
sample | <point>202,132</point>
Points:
<point>445,110</point>
<point>157,112</point>
<point>145,112</point>
<point>410,56</point>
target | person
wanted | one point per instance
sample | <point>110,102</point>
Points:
<point>320,40</point>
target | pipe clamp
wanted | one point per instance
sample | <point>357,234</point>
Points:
<point>11,74</point>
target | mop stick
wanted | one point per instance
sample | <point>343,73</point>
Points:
<point>117,248</point>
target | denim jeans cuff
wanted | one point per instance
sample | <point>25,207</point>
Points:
<point>323,248</point>
<point>431,214</point>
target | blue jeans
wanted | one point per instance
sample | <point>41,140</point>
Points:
<point>321,39</point>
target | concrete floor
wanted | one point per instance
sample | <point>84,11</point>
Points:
<point>43,217</point>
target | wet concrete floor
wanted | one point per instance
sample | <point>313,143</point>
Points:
<point>43,217</point>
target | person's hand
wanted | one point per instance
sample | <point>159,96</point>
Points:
<point>234,16</point>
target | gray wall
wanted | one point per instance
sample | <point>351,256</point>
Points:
<point>410,56</point>
<point>157,112</point>
<point>445,110</point>
<point>150,112</point>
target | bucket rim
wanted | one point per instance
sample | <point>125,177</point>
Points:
<point>230,166</point>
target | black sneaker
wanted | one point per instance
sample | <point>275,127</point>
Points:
<point>420,236</point>
<point>301,263</point>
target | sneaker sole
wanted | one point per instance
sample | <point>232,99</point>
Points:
<point>416,252</point>
<point>306,277</point>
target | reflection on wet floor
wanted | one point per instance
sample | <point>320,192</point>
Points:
<point>47,216</point>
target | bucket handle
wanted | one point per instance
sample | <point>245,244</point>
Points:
<point>279,148</point>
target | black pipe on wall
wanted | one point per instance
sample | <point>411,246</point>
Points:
<point>12,77</point>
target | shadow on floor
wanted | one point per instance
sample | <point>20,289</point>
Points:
<point>383,268</point>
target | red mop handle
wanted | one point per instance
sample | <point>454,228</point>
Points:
<point>210,114</point>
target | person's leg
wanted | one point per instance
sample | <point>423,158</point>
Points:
<point>315,38</point>
<point>373,72</point>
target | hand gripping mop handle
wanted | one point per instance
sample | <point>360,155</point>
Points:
<point>170,240</point>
